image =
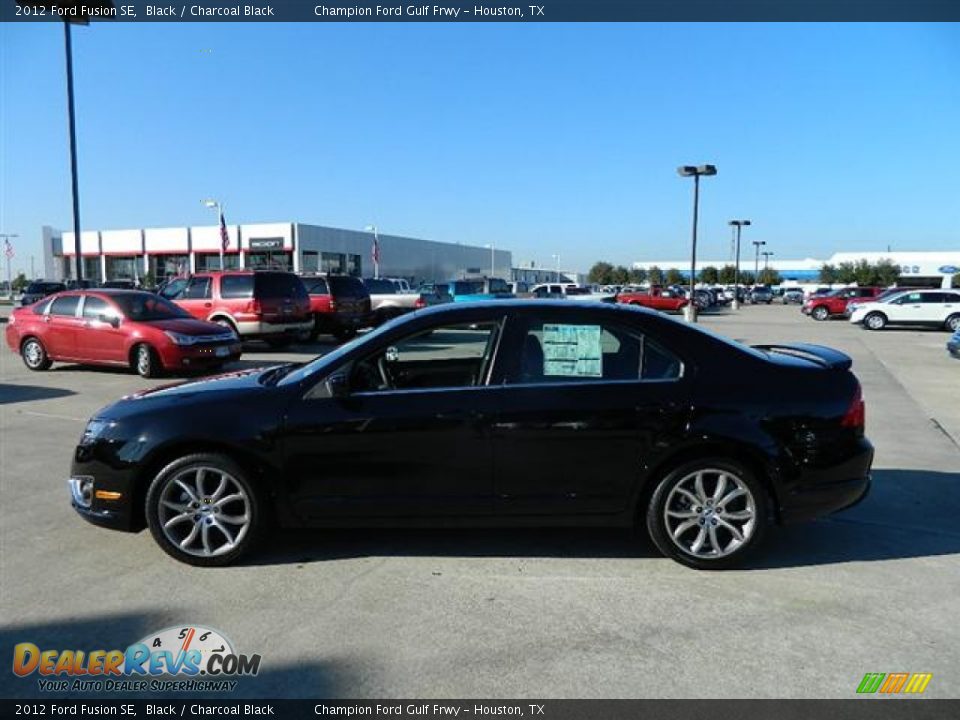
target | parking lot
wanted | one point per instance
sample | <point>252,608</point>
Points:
<point>532,613</point>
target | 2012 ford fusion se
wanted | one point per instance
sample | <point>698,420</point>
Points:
<point>506,413</point>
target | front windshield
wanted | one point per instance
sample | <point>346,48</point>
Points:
<point>145,307</point>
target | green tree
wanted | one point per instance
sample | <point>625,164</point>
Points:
<point>655,275</point>
<point>727,274</point>
<point>601,273</point>
<point>828,274</point>
<point>846,273</point>
<point>747,277</point>
<point>864,273</point>
<point>638,276</point>
<point>621,276</point>
<point>19,283</point>
<point>768,276</point>
<point>673,277</point>
<point>887,273</point>
<point>710,275</point>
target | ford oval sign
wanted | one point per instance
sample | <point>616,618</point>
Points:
<point>949,269</point>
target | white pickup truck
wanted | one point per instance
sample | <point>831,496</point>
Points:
<point>387,302</point>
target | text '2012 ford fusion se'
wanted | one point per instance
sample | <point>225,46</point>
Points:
<point>507,413</point>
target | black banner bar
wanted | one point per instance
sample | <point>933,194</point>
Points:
<point>480,10</point>
<point>874,708</point>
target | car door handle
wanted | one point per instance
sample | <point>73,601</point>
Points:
<point>208,304</point>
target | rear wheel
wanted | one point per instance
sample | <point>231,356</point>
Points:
<point>953,322</point>
<point>35,355</point>
<point>875,321</point>
<point>146,362</point>
<point>203,510</point>
<point>708,514</point>
<point>820,313</point>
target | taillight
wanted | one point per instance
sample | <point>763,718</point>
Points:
<point>856,415</point>
<point>333,305</point>
<point>254,307</point>
<point>420,303</point>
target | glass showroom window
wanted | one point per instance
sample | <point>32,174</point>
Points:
<point>311,262</point>
<point>354,265</point>
<point>270,260</point>
<point>211,261</point>
<point>166,266</point>
<point>332,262</point>
<point>91,268</point>
<point>124,267</point>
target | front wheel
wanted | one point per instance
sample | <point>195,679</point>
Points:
<point>146,362</point>
<point>708,514</point>
<point>820,313</point>
<point>35,355</point>
<point>875,321</point>
<point>953,322</point>
<point>203,510</point>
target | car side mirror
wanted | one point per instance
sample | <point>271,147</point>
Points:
<point>338,386</point>
<point>112,320</point>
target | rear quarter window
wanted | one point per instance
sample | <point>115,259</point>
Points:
<point>344,286</point>
<point>236,286</point>
<point>282,285</point>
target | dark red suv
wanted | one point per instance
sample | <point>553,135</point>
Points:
<point>263,304</point>
<point>821,307</point>
<point>339,304</point>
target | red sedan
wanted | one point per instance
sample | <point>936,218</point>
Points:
<point>125,328</point>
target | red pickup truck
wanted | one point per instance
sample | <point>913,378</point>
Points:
<point>821,307</point>
<point>657,298</point>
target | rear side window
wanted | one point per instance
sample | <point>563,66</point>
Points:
<point>65,305</point>
<point>345,286</point>
<point>380,287</point>
<point>315,286</point>
<point>94,307</point>
<point>236,286</point>
<point>278,285</point>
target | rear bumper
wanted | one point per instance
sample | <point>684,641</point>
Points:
<point>251,329</point>
<point>827,490</point>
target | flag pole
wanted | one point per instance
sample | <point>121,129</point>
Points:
<point>222,222</point>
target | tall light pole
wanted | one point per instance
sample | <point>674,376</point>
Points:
<point>557,258</point>
<point>375,250</point>
<point>492,265</point>
<point>756,262</point>
<point>8,251</point>
<point>737,225</point>
<point>766,260</point>
<point>217,207</point>
<point>694,171</point>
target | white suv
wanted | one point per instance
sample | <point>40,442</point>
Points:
<point>939,308</point>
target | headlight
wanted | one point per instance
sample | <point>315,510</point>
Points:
<point>95,428</point>
<point>179,338</point>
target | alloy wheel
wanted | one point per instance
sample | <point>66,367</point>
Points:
<point>143,360</point>
<point>710,513</point>
<point>33,354</point>
<point>875,321</point>
<point>204,511</point>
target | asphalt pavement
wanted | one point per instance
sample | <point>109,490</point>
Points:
<point>532,613</point>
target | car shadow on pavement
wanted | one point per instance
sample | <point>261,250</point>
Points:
<point>10,394</point>
<point>117,631</point>
<point>909,513</point>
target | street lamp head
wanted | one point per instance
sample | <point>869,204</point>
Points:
<point>211,203</point>
<point>370,228</point>
<point>691,170</point>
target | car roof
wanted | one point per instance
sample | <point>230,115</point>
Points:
<point>528,305</point>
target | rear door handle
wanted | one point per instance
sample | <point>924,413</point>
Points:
<point>208,304</point>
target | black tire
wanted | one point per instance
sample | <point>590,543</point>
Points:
<point>875,321</point>
<point>280,342</point>
<point>820,312</point>
<point>145,361</point>
<point>162,488</point>
<point>953,322</point>
<point>344,334</point>
<point>753,502</point>
<point>224,322</point>
<point>34,355</point>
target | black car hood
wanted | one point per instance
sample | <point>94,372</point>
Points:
<point>226,387</point>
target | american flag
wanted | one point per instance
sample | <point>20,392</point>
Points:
<point>224,237</point>
<point>7,248</point>
<point>375,250</point>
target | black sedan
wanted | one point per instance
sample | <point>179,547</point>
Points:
<point>510,413</point>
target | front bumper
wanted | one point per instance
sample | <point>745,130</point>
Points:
<point>824,490</point>
<point>186,357</point>
<point>110,498</point>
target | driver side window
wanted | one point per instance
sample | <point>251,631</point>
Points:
<point>450,356</point>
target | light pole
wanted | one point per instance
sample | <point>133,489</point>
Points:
<point>375,250</point>
<point>756,262</point>
<point>217,207</point>
<point>557,258</point>
<point>694,171</point>
<point>492,266</point>
<point>737,225</point>
<point>8,251</point>
<point>766,260</point>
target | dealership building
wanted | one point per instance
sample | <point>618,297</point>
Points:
<point>934,269</point>
<point>164,252</point>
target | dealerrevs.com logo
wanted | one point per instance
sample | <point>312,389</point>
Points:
<point>201,659</point>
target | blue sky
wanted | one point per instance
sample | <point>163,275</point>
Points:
<point>540,138</point>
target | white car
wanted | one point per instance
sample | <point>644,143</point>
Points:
<point>938,308</point>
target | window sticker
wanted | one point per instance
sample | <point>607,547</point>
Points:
<point>572,351</point>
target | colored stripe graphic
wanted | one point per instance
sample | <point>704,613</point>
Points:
<point>918,682</point>
<point>871,682</point>
<point>894,683</point>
